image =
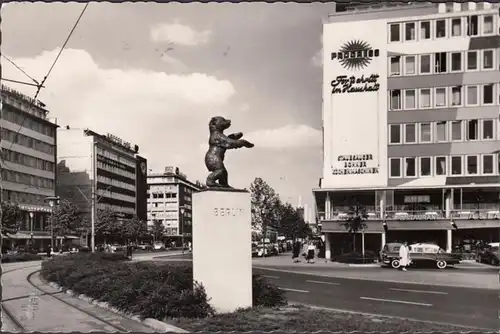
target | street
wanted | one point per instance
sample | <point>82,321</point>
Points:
<point>463,306</point>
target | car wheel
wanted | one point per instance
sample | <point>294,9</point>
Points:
<point>441,264</point>
<point>395,264</point>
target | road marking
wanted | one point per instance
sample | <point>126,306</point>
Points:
<point>419,291</point>
<point>320,282</point>
<point>294,290</point>
<point>269,276</point>
<point>395,301</point>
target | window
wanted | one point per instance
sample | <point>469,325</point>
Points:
<point>472,25</point>
<point>425,30</point>
<point>394,32</point>
<point>410,99</point>
<point>410,133</point>
<point>488,164</point>
<point>425,132</point>
<point>425,166</point>
<point>456,61</point>
<point>472,60</point>
<point>456,131</point>
<point>410,167</point>
<point>410,65</point>
<point>472,129</point>
<point>487,59</point>
<point>456,27</point>
<point>488,131</point>
<point>456,96</point>
<point>395,99</point>
<point>472,164</point>
<point>488,94</point>
<point>410,31</point>
<point>487,24</point>
<point>425,98</point>
<point>472,95</point>
<point>456,165</point>
<point>395,66</point>
<point>395,134</point>
<point>440,165</point>
<point>440,28</point>
<point>440,97</point>
<point>440,62</point>
<point>441,131</point>
<point>425,64</point>
<point>395,166</point>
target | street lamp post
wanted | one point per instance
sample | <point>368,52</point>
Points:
<point>181,220</point>
<point>53,201</point>
<point>31,214</point>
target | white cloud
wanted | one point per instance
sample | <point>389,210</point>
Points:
<point>317,59</point>
<point>179,34</point>
<point>288,136</point>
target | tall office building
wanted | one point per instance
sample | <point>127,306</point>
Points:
<point>411,123</point>
<point>88,160</point>
<point>28,143</point>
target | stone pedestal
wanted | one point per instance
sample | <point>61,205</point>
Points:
<point>222,250</point>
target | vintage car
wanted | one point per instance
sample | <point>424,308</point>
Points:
<point>421,254</point>
<point>489,254</point>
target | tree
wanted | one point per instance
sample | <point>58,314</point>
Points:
<point>65,219</point>
<point>106,223</point>
<point>11,218</point>
<point>292,224</point>
<point>356,222</point>
<point>265,206</point>
<point>134,228</point>
<point>158,229</point>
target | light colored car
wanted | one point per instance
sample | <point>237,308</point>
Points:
<point>159,246</point>
<point>115,248</point>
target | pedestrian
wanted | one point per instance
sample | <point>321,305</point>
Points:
<point>404,256</point>
<point>311,252</point>
<point>49,251</point>
<point>296,251</point>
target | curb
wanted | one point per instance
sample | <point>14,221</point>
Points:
<point>155,324</point>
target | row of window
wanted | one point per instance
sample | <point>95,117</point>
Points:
<point>26,141</point>
<point>442,62</point>
<point>472,25</point>
<point>114,169</point>
<point>115,208</point>
<point>116,157</point>
<point>457,165</point>
<point>29,161</point>
<point>163,188</point>
<point>31,180</point>
<point>16,117</point>
<point>115,182</point>
<point>23,198</point>
<point>442,131</point>
<point>443,97</point>
<point>163,195</point>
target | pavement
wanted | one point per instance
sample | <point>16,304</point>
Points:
<point>460,306</point>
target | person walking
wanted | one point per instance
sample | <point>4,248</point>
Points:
<point>49,251</point>
<point>296,251</point>
<point>404,256</point>
<point>311,252</point>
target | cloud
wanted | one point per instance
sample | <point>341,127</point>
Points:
<point>317,59</point>
<point>179,34</point>
<point>288,136</point>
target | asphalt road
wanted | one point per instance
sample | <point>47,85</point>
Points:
<point>460,306</point>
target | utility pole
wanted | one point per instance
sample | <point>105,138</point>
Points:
<point>93,199</point>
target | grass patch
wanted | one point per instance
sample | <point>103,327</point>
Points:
<point>304,319</point>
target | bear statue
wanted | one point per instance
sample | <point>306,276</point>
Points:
<point>218,144</point>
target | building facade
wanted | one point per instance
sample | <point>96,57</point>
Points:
<point>29,150</point>
<point>108,165</point>
<point>411,124</point>
<point>168,192</point>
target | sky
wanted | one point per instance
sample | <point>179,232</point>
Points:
<point>154,74</point>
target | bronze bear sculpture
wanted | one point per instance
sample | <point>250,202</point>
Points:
<point>218,144</point>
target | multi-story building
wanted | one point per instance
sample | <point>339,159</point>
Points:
<point>28,145</point>
<point>411,123</point>
<point>88,160</point>
<point>169,192</point>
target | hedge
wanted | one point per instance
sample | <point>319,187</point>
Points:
<point>23,257</point>
<point>147,289</point>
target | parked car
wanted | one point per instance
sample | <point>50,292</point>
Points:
<point>158,245</point>
<point>421,254</point>
<point>490,253</point>
<point>145,247</point>
<point>255,250</point>
<point>116,248</point>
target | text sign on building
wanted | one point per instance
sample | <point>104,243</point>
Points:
<point>354,164</point>
<point>224,212</point>
<point>355,84</point>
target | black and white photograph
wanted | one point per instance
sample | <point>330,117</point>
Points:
<point>250,166</point>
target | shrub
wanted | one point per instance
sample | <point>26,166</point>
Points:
<point>356,257</point>
<point>23,257</point>
<point>266,294</point>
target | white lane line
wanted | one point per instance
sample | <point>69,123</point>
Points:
<point>420,291</point>
<point>395,301</point>
<point>294,290</point>
<point>321,282</point>
<point>269,276</point>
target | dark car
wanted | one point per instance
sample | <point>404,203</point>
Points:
<point>490,254</point>
<point>421,254</point>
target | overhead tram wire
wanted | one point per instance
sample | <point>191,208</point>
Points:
<point>20,69</point>
<point>39,86</point>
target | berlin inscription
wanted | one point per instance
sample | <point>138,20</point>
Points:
<point>224,212</point>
